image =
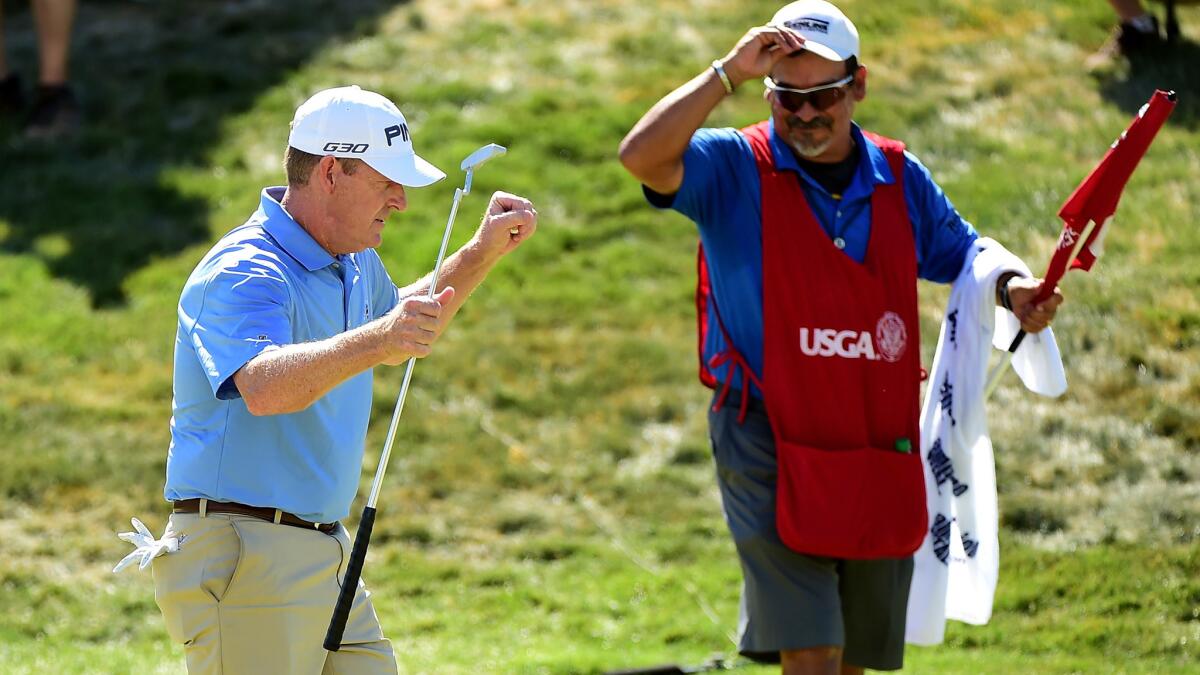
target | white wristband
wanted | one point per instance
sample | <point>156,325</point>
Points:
<point>720,71</point>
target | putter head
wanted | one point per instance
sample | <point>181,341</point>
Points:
<point>477,158</point>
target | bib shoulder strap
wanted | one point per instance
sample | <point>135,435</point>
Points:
<point>759,137</point>
<point>894,151</point>
<point>888,145</point>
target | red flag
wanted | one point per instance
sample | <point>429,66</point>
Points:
<point>1095,200</point>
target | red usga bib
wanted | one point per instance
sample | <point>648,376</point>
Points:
<point>841,370</point>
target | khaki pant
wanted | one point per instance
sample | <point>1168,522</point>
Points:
<point>243,595</point>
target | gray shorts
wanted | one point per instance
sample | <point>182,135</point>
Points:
<point>791,600</point>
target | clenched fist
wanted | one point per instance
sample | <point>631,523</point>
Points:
<point>508,222</point>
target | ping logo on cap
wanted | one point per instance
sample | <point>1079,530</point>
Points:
<point>400,130</point>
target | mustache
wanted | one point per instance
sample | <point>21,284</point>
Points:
<point>795,123</point>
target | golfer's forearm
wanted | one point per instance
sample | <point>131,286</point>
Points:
<point>291,378</point>
<point>653,150</point>
<point>465,269</point>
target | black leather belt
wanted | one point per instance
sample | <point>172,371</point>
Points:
<point>262,512</point>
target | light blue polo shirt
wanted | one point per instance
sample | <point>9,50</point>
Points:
<point>721,194</point>
<point>265,285</point>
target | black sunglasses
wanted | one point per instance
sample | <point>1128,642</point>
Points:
<point>821,97</point>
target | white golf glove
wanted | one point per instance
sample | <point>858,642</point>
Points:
<point>147,547</point>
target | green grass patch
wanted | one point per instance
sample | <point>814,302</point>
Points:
<point>551,506</point>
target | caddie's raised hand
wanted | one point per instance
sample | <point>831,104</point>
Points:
<point>758,51</point>
<point>509,221</point>
<point>412,326</point>
<point>1033,317</point>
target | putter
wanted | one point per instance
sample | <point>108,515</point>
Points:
<point>358,554</point>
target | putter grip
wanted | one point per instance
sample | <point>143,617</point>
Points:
<point>341,611</point>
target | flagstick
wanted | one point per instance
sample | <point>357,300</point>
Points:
<point>1076,207</point>
<point>997,372</point>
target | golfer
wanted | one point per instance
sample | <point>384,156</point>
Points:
<point>814,233</point>
<point>280,326</point>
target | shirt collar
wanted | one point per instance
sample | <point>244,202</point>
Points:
<point>875,167</point>
<point>290,236</point>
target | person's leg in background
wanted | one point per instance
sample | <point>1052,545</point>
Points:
<point>11,99</point>
<point>1136,35</point>
<point>813,661</point>
<point>55,110</point>
<point>54,19</point>
<point>3,57</point>
<point>1128,10</point>
<point>1135,18</point>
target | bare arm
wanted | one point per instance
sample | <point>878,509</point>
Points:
<point>292,377</point>
<point>470,265</point>
<point>653,150</point>
<point>464,269</point>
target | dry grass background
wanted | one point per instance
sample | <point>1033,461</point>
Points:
<point>550,506</point>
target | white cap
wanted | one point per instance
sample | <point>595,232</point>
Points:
<point>351,122</point>
<point>826,31</point>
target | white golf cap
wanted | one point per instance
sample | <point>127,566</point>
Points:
<point>826,31</point>
<point>351,122</point>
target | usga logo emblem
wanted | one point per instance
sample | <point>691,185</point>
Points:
<point>887,343</point>
<point>891,337</point>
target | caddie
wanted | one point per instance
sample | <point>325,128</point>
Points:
<point>814,233</point>
<point>279,328</point>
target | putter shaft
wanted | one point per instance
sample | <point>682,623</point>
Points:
<point>391,436</point>
<point>358,554</point>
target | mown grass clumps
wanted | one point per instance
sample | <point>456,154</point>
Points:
<point>551,485</point>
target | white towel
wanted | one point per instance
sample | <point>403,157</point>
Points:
<point>956,568</point>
